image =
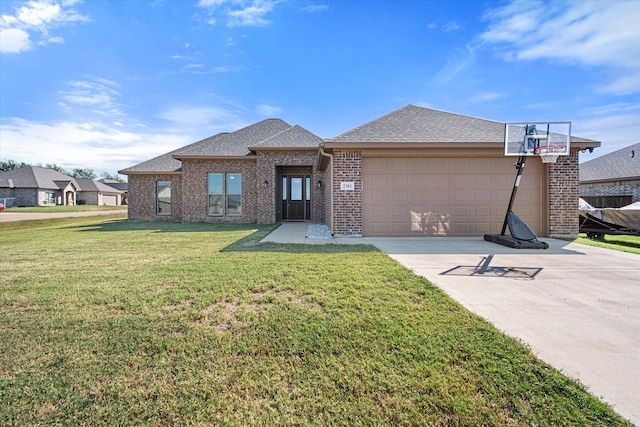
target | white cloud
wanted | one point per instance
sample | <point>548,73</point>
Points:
<point>450,26</point>
<point>97,93</point>
<point>597,34</point>
<point>91,145</point>
<point>239,13</point>
<point>615,125</point>
<point>268,110</point>
<point>446,27</point>
<point>486,96</point>
<point>316,8</point>
<point>37,16</point>
<point>203,117</point>
<point>14,40</point>
<point>455,65</point>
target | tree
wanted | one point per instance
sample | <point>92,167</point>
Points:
<point>116,177</point>
<point>82,173</point>
<point>57,168</point>
<point>9,165</point>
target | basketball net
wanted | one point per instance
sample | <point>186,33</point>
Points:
<point>550,153</point>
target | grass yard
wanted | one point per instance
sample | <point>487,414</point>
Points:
<point>611,241</point>
<point>106,322</point>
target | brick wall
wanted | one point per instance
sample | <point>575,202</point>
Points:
<point>23,196</point>
<point>195,191</point>
<point>270,167</point>
<point>347,205</point>
<point>142,198</point>
<point>612,189</point>
<point>563,196</point>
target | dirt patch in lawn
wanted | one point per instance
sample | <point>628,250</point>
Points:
<point>235,312</point>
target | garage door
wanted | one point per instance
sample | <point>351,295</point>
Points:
<point>446,196</point>
<point>109,200</point>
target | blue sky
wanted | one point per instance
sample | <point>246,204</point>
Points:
<point>107,84</point>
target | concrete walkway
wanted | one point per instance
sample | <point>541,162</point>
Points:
<point>576,306</point>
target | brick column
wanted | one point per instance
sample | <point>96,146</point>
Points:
<point>563,196</point>
<point>347,204</point>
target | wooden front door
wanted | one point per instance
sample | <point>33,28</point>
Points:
<point>296,197</point>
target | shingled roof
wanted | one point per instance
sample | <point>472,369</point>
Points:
<point>419,124</point>
<point>413,124</point>
<point>293,137</point>
<point>87,184</point>
<point>234,144</point>
<point>623,164</point>
<point>36,177</point>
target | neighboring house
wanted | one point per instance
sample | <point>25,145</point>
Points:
<point>413,172</point>
<point>122,186</point>
<point>612,180</point>
<point>94,192</point>
<point>37,186</point>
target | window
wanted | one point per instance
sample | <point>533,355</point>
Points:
<point>234,194</point>
<point>224,194</point>
<point>216,194</point>
<point>163,197</point>
<point>50,198</point>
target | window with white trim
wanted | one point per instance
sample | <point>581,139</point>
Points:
<point>163,197</point>
<point>224,194</point>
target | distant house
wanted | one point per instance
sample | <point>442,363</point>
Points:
<point>412,172</point>
<point>612,180</point>
<point>94,192</point>
<point>122,186</point>
<point>37,186</point>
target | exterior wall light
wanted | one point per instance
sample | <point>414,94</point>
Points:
<point>319,183</point>
<point>265,183</point>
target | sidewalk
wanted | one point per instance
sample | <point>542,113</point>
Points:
<point>296,232</point>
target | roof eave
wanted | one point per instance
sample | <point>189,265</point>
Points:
<point>387,145</point>
<point>613,178</point>
<point>202,157</point>
<point>281,149</point>
<point>585,145</point>
<point>128,173</point>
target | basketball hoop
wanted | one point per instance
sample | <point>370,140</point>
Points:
<point>550,153</point>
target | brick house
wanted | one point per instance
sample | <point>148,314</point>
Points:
<point>38,186</point>
<point>612,180</point>
<point>412,172</point>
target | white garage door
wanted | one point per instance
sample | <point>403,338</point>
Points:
<point>109,200</point>
<point>447,196</point>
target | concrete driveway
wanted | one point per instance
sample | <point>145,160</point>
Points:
<point>576,306</point>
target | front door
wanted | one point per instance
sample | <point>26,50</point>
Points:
<point>296,197</point>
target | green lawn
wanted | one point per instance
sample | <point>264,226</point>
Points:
<point>77,208</point>
<point>611,241</point>
<point>106,322</point>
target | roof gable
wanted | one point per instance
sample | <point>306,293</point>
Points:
<point>87,184</point>
<point>36,177</point>
<point>621,164</point>
<point>412,124</point>
<point>234,144</point>
<point>293,137</point>
<point>419,124</point>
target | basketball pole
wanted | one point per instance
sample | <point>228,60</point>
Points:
<point>520,166</point>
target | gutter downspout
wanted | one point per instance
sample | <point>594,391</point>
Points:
<point>330,156</point>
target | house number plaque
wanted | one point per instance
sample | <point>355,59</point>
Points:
<point>347,186</point>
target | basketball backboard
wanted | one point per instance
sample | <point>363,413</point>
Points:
<point>537,138</point>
